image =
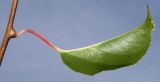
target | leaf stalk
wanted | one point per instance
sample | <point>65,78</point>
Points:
<point>40,37</point>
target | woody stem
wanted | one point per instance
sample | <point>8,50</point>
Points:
<point>10,32</point>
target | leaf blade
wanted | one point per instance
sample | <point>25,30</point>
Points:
<point>124,50</point>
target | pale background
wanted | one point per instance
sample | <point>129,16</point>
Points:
<point>73,24</point>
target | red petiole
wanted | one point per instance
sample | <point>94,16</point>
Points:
<point>40,37</point>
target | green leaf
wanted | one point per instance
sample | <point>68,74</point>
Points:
<point>124,50</point>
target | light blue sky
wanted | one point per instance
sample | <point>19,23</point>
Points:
<point>73,24</point>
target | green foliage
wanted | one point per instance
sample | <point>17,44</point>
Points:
<point>124,50</point>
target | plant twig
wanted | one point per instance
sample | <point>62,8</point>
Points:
<point>10,32</point>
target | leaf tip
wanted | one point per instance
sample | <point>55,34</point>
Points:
<point>149,17</point>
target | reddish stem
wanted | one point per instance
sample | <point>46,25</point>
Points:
<point>40,37</point>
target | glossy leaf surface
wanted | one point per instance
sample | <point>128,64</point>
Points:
<point>124,50</point>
